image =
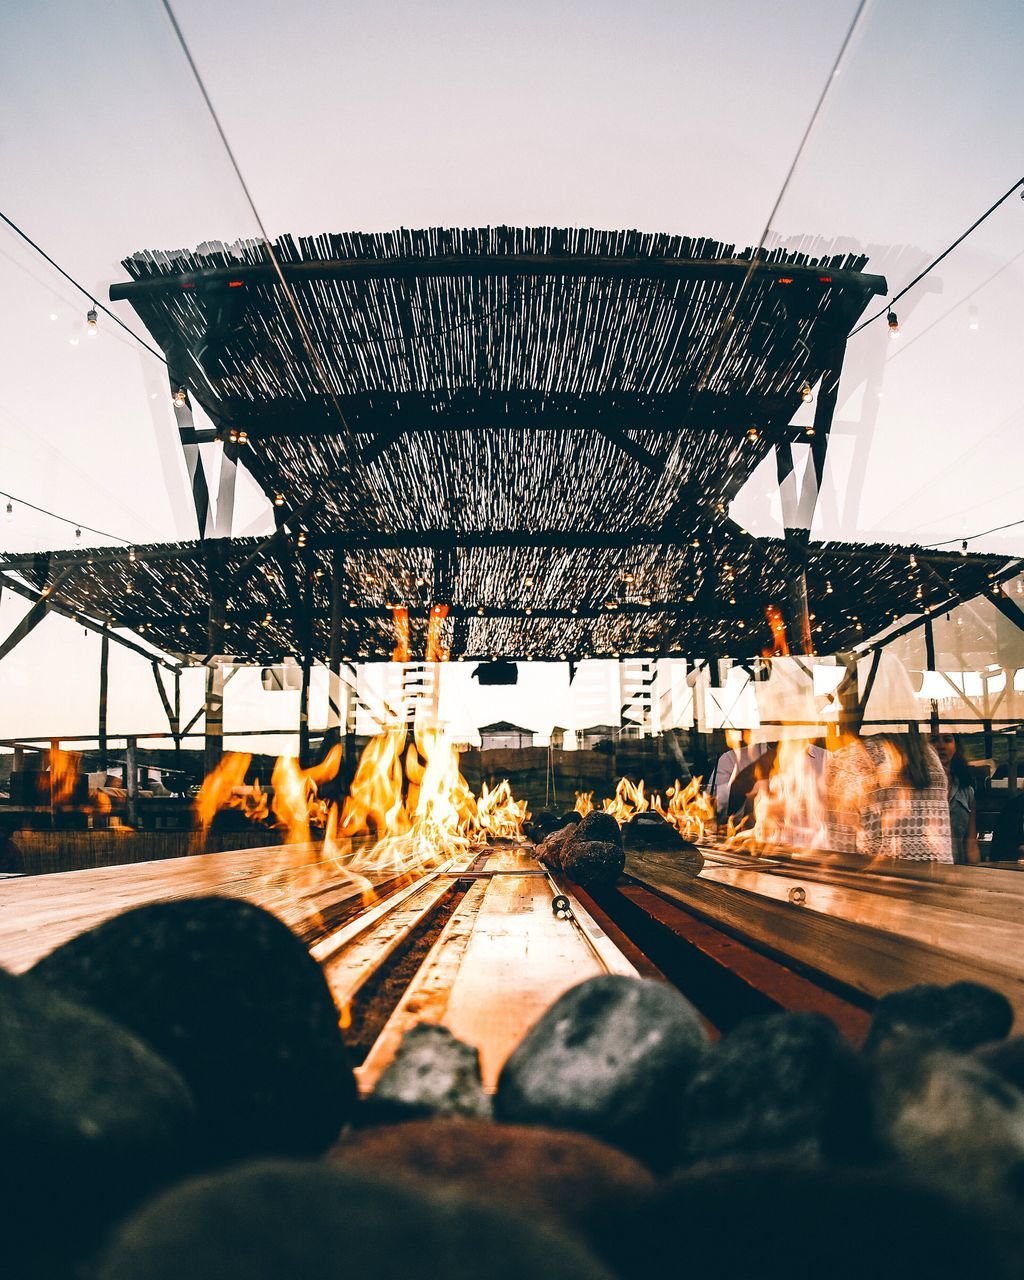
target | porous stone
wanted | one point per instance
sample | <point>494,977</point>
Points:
<point>958,1017</point>
<point>91,1121</point>
<point>1006,1058</point>
<point>569,819</point>
<point>651,831</point>
<point>277,1221</point>
<point>598,826</point>
<point>952,1122</point>
<point>783,1085</point>
<point>568,1177</point>
<point>432,1073</point>
<point>232,998</point>
<point>611,1058</point>
<point>550,849</point>
<point>775,1221</point>
<point>541,824</point>
<point>594,864</point>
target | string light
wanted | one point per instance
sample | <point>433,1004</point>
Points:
<point>963,547</point>
<point>893,323</point>
<point>132,557</point>
<point>278,499</point>
<point>753,435</point>
<point>179,399</point>
<point>78,535</point>
<point>9,514</point>
<point>913,560</point>
<point>92,322</point>
<point>806,394</point>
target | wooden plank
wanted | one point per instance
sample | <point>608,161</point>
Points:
<point>879,947</point>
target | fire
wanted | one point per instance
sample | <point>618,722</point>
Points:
<point>297,804</point>
<point>63,775</point>
<point>400,619</point>
<point>436,650</point>
<point>780,645</point>
<point>220,786</point>
<point>499,814</point>
<point>584,802</point>
<point>788,807</point>
<point>689,809</point>
<point>629,800</point>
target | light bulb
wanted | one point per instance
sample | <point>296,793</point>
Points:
<point>753,435</point>
<point>806,394</point>
<point>893,323</point>
<point>92,322</point>
<point>278,499</point>
<point>180,398</point>
<point>963,547</point>
<point>131,555</point>
<point>78,534</point>
<point>9,514</point>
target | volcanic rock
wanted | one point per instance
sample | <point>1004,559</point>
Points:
<point>651,831</point>
<point>598,826</point>
<point>91,1121</point>
<point>230,997</point>
<point>541,824</point>
<point>569,819</point>
<point>959,1017</point>
<point>550,849</point>
<point>594,864</point>
<point>431,1073</point>
<point>783,1085</point>
<point>278,1221</point>
<point>611,1057</point>
<point>772,1221</point>
<point>547,1173</point>
<point>952,1122</point>
<point>1006,1058</point>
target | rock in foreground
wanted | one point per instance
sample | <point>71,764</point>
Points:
<point>431,1073</point>
<point>231,998</point>
<point>610,1058</point>
<point>959,1017</point>
<point>546,1173</point>
<point>786,1085</point>
<point>281,1221</point>
<point>91,1121</point>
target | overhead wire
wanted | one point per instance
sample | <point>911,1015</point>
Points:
<point>935,262</point>
<point>54,515</point>
<point>80,287</point>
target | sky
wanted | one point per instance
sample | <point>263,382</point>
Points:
<point>678,117</point>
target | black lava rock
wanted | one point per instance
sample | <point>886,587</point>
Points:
<point>229,996</point>
<point>1006,1058</point>
<point>959,1017</point>
<point>541,824</point>
<point>771,1221</point>
<point>279,1221</point>
<point>91,1121</point>
<point>783,1085</point>
<point>594,864</point>
<point>549,1173</point>
<point>611,1058</point>
<point>952,1122</point>
<point>550,849</point>
<point>431,1073</point>
<point>651,831</point>
<point>569,819</point>
<point>598,826</point>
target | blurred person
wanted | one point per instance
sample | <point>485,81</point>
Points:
<point>886,797</point>
<point>732,777</point>
<point>963,811</point>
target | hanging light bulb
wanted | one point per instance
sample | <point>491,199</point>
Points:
<point>753,435</point>
<point>913,560</point>
<point>180,399</point>
<point>9,514</point>
<point>132,557</point>
<point>806,394</point>
<point>972,318</point>
<point>78,535</point>
<point>893,323</point>
<point>92,327</point>
<point>278,499</point>
<point>963,547</point>
<point>828,586</point>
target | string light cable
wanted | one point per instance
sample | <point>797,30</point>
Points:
<point>888,311</point>
<point>77,525</point>
<point>96,303</point>
<point>970,537</point>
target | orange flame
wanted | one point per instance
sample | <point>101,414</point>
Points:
<point>63,775</point>
<point>690,810</point>
<point>436,649</point>
<point>780,645</point>
<point>788,807</point>
<point>499,814</point>
<point>400,618</point>
<point>584,802</point>
<point>220,785</point>
<point>629,800</point>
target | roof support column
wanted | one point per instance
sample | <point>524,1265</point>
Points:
<point>189,446</point>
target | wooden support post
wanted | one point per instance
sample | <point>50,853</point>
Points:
<point>177,719</point>
<point>929,656</point>
<point>304,760</point>
<point>337,700</point>
<point>104,676</point>
<point>987,727</point>
<point>1011,759</point>
<point>131,771</point>
<point>214,711</point>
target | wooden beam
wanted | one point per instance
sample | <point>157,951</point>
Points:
<point>575,266</point>
<point>633,450</point>
<point>104,682</point>
<point>25,627</point>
